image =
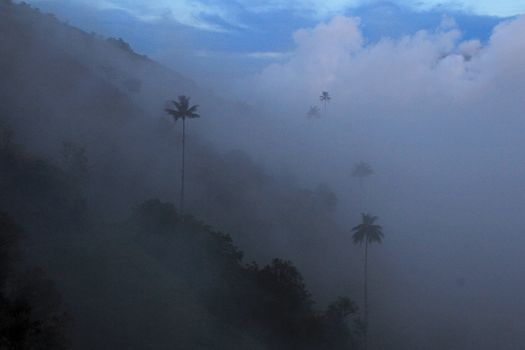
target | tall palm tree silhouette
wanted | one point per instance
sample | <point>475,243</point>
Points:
<point>368,232</point>
<point>325,98</point>
<point>182,111</point>
<point>361,171</point>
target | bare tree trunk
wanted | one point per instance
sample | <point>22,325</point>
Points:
<point>366,297</point>
<point>182,174</point>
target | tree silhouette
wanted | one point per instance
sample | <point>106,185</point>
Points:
<point>325,98</point>
<point>368,232</point>
<point>313,112</point>
<point>182,111</point>
<point>31,310</point>
<point>273,298</point>
<point>337,317</point>
<point>361,171</point>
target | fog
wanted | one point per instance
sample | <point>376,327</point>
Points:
<point>439,118</point>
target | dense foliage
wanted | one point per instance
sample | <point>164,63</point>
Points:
<point>31,312</point>
<point>270,302</point>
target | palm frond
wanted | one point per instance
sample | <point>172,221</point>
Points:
<point>182,109</point>
<point>367,230</point>
<point>174,113</point>
<point>177,105</point>
<point>325,96</point>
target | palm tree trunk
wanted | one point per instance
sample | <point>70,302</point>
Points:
<point>366,297</point>
<point>362,188</point>
<point>182,173</point>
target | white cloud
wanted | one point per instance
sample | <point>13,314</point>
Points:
<point>319,54</point>
<point>258,55</point>
<point>430,111</point>
<point>267,55</point>
<point>193,13</point>
<point>429,105</point>
<point>416,72</point>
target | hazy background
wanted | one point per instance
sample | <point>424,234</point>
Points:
<point>431,96</point>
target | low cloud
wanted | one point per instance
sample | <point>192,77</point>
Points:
<point>434,68</point>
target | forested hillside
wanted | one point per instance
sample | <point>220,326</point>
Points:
<point>63,86</point>
<point>84,142</point>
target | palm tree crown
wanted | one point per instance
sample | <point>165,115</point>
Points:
<point>362,170</point>
<point>325,97</point>
<point>313,112</point>
<point>367,231</point>
<point>182,109</point>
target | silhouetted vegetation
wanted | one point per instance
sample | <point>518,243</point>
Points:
<point>368,232</point>
<point>325,98</point>
<point>270,303</point>
<point>53,199</point>
<point>362,170</point>
<point>182,111</point>
<point>31,312</point>
<point>313,112</point>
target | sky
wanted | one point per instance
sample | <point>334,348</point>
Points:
<point>216,40</point>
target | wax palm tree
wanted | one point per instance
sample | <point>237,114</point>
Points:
<point>368,232</point>
<point>182,111</point>
<point>361,171</point>
<point>313,112</point>
<point>325,98</point>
